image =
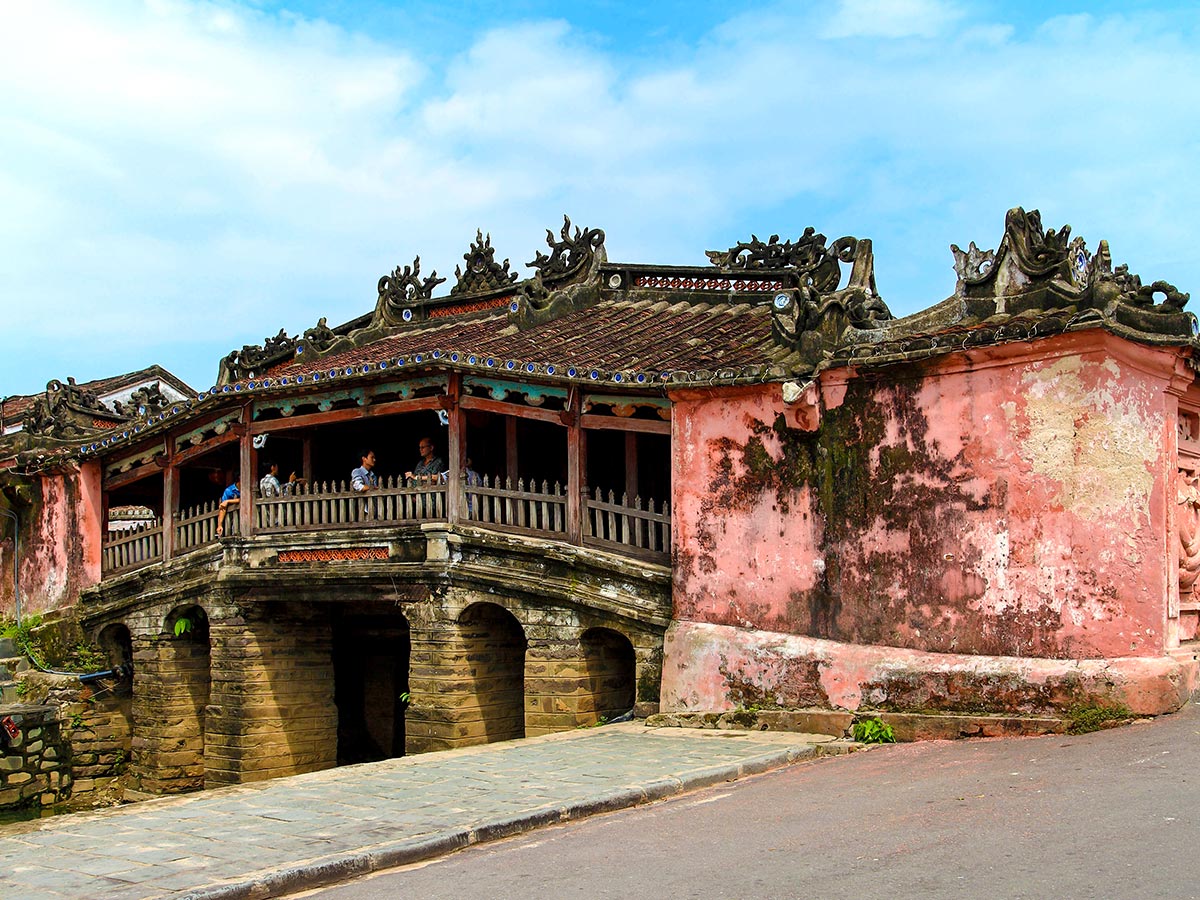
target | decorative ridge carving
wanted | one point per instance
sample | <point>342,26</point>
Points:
<point>818,265</point>
<point>66,411</point>
<point>400,290</point>
<point>320,337</point>
<point>569,255</point>
<point>483,274</point>
<point>253,359</point>
<point>145,401</point>
<point>1044,271</point>
<point>566,279</point>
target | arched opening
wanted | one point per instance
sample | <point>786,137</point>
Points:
<point>609,670</point>
<point>117,644</point>
<point>493,645</point>
<point>370,666</point>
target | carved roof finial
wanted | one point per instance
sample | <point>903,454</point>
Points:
<point>570,254</point>
<point>483,273</point>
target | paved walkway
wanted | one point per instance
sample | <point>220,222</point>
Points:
<point>270,838</point>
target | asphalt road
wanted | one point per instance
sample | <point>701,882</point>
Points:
<point>1111,814</point>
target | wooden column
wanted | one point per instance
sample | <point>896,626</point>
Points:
<point>170,499</point>
<point>576,482</point>
<point>454,450</point>
<point>246,467</point>
<point>631,465</point>
<point>510,448</point>
<point>306,458</point>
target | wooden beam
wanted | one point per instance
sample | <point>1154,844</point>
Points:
<point>511,409</point>
<point>112,482</point>
<point>615,423</point>
<point>182,456</point>
<point>346,415</point>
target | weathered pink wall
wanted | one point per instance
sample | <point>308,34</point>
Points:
<point>60,541</point>
<point>1008,502</point>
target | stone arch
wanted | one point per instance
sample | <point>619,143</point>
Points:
<point>171,688</point>
<point>117,643</point>
<point>609,675</point>
<point>487,657</point>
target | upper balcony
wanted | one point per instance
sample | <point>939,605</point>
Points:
<point>640,529</point>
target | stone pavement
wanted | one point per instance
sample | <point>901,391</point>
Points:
<point>274,837</point>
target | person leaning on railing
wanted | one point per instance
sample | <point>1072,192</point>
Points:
<point>231,497</point>
<point>430,466</point>
<point>362,478</point>
<point>269,486</point>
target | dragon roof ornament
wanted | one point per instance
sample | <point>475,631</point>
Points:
<point>569,255</point>
<point>402,289</point>
<point>254,359</point>
<point>482,274</point>
<point>67,411</point>
<point>1036,270</point>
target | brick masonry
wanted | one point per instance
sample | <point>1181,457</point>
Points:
<point>35,766</point>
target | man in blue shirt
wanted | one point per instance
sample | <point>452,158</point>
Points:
<point>231,497</point>
<point>362,478</point>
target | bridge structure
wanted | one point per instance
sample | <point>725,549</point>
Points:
<point>532,505</point>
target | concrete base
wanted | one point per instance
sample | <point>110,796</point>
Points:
<point>718,668</point>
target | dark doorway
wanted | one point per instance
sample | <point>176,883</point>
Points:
<point>370,689</point>
<point>609,664</point>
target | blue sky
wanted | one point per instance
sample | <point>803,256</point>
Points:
<point>180,178</point>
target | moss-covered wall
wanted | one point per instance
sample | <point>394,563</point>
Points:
<point>1006,503</point>
<point>60,520</point>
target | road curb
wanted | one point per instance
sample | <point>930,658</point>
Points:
<point>332,870</point>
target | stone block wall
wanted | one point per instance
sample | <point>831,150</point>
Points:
<point>271,711</point>
<point>171,689</point>
<point>35,766</point>
<point>467,682</point>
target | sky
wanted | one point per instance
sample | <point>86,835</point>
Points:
<point>179,178</point>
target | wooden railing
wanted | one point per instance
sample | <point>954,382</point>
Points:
<point>128,550</point>
<point>617,524</point>
<point>326,506</point>
<point>529,509</point>
<point>197,527</point>
<point>638,528</point>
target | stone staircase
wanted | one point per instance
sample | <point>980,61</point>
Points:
<point>12,661</point>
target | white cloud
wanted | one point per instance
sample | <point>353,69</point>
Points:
<point>891,19</point>
<point>205,173</point>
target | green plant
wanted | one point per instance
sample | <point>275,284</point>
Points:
<point>23,688</point>
<point>406,698</point>
<point>873,731</point>
<point>86,657</point>
<point>1086,717</point>
<point>190,620</point>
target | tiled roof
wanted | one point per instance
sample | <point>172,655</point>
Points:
<point>612,335</point>
<point>16,406</point>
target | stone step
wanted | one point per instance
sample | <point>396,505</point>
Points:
<point>14,664</point>
<point>8,693</point>
<point>7,647</point>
